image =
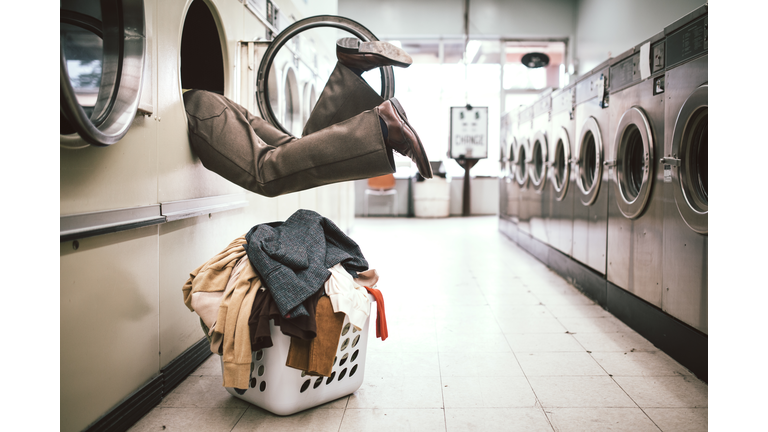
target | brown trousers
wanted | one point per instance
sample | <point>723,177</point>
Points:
<point>342,140</point>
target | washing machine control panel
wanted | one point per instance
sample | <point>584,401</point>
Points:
<point>687,43</point>
<point>625,73</point>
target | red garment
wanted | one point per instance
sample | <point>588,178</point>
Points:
<point>381,317</point>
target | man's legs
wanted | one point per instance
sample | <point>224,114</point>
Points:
<point>229,141</point>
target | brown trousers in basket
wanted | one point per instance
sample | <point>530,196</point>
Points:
<point>316,356</point>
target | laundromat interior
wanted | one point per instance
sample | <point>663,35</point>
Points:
<point>552,275</point>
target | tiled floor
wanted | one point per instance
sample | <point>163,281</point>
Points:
<point>482,336</point>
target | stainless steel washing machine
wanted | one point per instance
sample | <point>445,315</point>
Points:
<point>684,170</point>
<point>635,198</point>
<point>511,186</point>
<point>560,197</point>
<point>539,167</point>
<point>504,146</point>
<point>522,167</point>
<point>590,210</point>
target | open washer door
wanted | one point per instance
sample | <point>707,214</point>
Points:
<point>634,170</point>
<point>688,165</point>
<point>265,67</point>
<point>102,50</point>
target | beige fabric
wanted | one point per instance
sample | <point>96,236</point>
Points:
<point>347,296</point>
<point>230,328</point>
<point>214,274</point>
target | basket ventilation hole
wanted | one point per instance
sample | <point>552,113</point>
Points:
<point>253,382</point>
<point>342,374</point>
<point>318,382</point>
<point>354,356</point>
<point>303,374</point>
<point>354,369</point>
<point>346,329</point>
<point>354,330</point>
<point>330,378</point>
<point>357,339</point>
<point>343,360</point>
<point>263,386</point>
<point>345,344</point>
<point>305,386</point>
<point>261,370</point>
<point>334,361</point>
<point>259,355</point>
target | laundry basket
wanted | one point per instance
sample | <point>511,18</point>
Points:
<point>283,390</point>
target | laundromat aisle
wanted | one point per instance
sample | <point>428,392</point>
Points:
<point>482,336</point>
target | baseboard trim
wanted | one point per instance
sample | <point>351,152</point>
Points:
<point>131,409</point>
<point>680,341</point>
<point>677,339</point>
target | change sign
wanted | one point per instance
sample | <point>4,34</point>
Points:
<point>469,132</point>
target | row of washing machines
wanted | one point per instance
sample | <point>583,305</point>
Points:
<point>612,170</point>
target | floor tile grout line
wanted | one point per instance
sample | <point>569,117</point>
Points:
<point>240,418</point>
<point>536,397</point>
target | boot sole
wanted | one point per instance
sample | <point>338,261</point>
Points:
<point>401,113</point>
<point>384,49</point>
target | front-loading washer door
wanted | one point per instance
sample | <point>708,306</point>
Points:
<point>539,161</point>
<point>102,52</point>
<point>589,166</point>
<point>521,167</point>
<point>561,165</point>
<point>633,150</point>
<point>690,156</point>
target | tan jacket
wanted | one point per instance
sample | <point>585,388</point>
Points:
<point>231,325</point>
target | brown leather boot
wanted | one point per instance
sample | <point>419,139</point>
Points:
<point>363,56</point>
<point>401,136</point>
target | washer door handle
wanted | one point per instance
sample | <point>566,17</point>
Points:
<point>669,161</point>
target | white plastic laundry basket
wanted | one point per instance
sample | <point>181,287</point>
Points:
<point>283,390</point>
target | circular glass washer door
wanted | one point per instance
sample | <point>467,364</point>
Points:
<point>539,161</point>
<point>633,150</point>
<point>561,164</point>
<point>689,146</point>
<point>521,167</point>
<point>589,168</point>
<point>100,71</point>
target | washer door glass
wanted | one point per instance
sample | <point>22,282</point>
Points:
<point>633,150</point>
<point>561,166</point>
<point>690,147</point>
<point>539,161</point>
<point>102,48</point>
<point>521,171</point>
<point>589,173</point>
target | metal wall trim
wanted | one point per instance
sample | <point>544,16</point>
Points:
<point>83,225</point>
<point>183,209</point>
<point>104,222</point>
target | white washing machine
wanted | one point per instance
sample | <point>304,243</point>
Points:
<point>590,212</point>
<point>684,171</point>
<point>560,198</point>
<point>635,204</point>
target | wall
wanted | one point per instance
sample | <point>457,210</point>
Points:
<point>122,316</point>
<point>606,28</point>
<point>484,193</point>
<point>516,18</point>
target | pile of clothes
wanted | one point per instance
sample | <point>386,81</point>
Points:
<point>305,274</point>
